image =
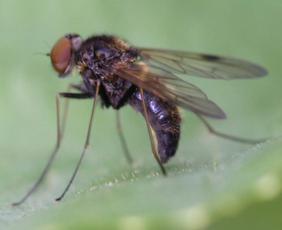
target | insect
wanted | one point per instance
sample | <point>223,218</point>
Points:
<point>146,79</point>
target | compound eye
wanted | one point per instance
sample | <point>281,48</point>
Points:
<point>61,54</point>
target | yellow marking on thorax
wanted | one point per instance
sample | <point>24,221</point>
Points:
<point>81,66</point>
<point>121,44</point>
<point>144,70</point>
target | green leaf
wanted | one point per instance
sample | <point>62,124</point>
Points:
<point>211,184</point>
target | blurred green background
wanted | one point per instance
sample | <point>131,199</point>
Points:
<point>212,183</point>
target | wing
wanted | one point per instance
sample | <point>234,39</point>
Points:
<point>201,65</point>
<point>170,88</point>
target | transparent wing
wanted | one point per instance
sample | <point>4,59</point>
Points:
<point>201,65</point>
<point>169,87</point>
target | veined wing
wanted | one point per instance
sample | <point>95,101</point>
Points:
<point>201,65</point>
<point>169,87</point>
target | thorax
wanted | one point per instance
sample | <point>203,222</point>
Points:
<point>98,59</point>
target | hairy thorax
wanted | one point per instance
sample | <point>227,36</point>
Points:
<point>98,59</point>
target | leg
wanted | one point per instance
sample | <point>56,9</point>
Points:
<point>122,139</point>
<point>153,143</point>
<point>85,145</point>
<point>68,95</point>
<point>227,136</point>
<point>51,159</point>
<point>60,132</point>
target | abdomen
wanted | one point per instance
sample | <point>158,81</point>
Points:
<point>164,119</point>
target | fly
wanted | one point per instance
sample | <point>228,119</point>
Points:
<point>146,79</point>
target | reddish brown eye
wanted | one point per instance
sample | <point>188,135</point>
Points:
<point>61,55</point>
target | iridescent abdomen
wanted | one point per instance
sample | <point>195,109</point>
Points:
<point>164,119</point>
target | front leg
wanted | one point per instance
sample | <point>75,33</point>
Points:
<point>85,145</point>
<point>76,95</point>
<point>60,132</point>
